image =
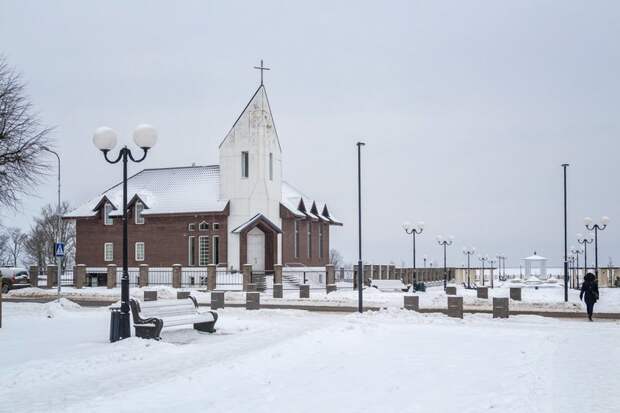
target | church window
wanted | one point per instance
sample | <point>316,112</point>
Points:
<point>191,227</point>
<point>320,240</point>
<point>139,251</point>
<point>309,239</point>
<point>203,226</point>
<point>270,166</point>
<point>138,218</point>
<point>108,251</point>
<point>191,251</point>
<point>203,251</point>
<point>107,209</point>
<point>245,164</point>
<point>216,225</point>
<point>216,250</point>
<point>296,239</point>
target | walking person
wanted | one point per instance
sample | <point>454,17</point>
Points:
<point>589,289</point>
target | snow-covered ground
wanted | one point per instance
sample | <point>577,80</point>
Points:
<point>56,358</point>
<point>545,298</point>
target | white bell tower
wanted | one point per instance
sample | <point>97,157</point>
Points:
<point>251,170</point>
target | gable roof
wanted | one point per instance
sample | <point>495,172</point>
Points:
<point>258,99</point>
<point>255,219</point>
<point>301,206</point>
<point>163,191</point>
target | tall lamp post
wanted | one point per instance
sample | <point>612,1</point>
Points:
<point>596,227</point>
<point>492,263</point>
<point>564,166</point>
<point>576,251</point>
<point>585,240</point>
<point>105,139</point>
<point>414,230</point>
<point>360,267</point>
<point>59,221</point>
<point>483,259</point>
<point>469,251</point>
<point>445,244</point>
<point>501,259</point>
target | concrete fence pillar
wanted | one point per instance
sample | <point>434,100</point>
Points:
<point>150,295</point>
<point>79,272</point>
<point>482,292</point>
<point>277,291</point>
<point>451,290</point>
<point>177,270</point>
<point>252,301</point>
<point>33,273</point>
<point>111,276</point>
<point>455,307</point>
<point>277,274</point>
<point>52,275</point>
<point>217,300</point>
<point>247,276</point>
<point>500,307</point>
<point>143,276</point>
<point>330,278</point>
<point>515,293</point>
<point>211,277</point>
<point>412,302</point>
<point>304,291</point>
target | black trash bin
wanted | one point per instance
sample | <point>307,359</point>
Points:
<point>115,324</point>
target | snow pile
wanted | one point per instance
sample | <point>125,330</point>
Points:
<point>58,307</point>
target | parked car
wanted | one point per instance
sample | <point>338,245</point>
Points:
<point>14,277</point>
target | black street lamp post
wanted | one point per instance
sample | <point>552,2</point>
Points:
<point>360,267</point>
<point>414,230</point>
<point>596,227</point>
<point>483,259</point>
<point>564,166</point>
<point>585,240</point>
<point>445,243</point>
<point>469,251</point>
<point>492,263</point>
<point>105,139</point>
<point>576,252</point>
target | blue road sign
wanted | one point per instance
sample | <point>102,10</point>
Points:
<point>59,249</point>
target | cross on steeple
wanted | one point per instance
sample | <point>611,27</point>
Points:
<point>261,68</point>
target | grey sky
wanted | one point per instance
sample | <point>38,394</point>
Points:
<point>468,108</point>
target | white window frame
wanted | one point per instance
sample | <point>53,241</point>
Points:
<point>191,227</point>
<point>320,240</point>
<point>206,224</point>
<point>215,251</point>
<point>137,257</point>
<point>107,209</point>
<point>191,251</point>
<point>216,226</point>
<point>137,212</point>
<point>201,262</point>
<point>270,166</point>
<point>309,240</point>
<point>105,251</point>
<point>296,238</point>
<point>245,164</point>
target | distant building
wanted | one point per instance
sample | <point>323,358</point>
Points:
<point>237,212</point>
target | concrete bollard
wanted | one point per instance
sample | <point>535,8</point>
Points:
<point>52,275</point>
<point>304,291</point>
<point>247,276</point>
<point>330,278</point>
<point>455,307</point>
<point>515,293</point>
<point>451,290</point>
<point>143,276</point>
<point>217,300</point>
<point>251,287</point>
<point>182,295</point>
<point>111,278</point>
<point>277,274</point>
<point>412,302</point>
<point>211,277</point>
<point>500,307</point>
<point>176,275</point>
<point>150,295</point>
<point>252,300</point>
<point>33,273</point>
<point>482,292</point>
<point>79,272</point>
<point>277,291</point>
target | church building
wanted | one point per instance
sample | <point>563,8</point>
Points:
<point>238,212</point>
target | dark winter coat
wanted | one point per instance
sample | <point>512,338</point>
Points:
<point>589,289</point>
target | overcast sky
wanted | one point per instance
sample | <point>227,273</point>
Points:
<point>468,108</point>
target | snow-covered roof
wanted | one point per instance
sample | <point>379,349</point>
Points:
<point>535,257</point>
<point>163,191</point>
<point>257,218</point>
<point>293,200</point>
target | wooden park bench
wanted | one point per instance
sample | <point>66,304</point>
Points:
<point>150,317</point>
<point>389,285</point>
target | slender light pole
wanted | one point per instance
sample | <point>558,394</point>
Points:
<point>596,228</point>
<point>360,267</point>
<point>483,259</point>
<point>564,166</point>
<point>105,139</point>
<point>469,251</point>
<point>576,252</point>
<point>59,221</point>
<point>445,243</point>
<point>413,230</point>
<point>492,263</point>
<point>585,240</point>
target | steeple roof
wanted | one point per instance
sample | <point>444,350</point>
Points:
<point>257,113</point>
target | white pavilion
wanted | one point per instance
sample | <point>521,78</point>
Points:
<point>536,261</point>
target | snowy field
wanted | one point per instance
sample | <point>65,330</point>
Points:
<point>57,359</point>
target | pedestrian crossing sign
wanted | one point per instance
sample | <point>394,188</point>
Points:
<point>59,249</point>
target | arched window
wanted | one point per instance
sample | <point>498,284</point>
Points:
<point>204,226</point>
<point>139,219</point>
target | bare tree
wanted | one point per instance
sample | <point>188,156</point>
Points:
<point>21,136</point>
<point>4,245</point>
<point>39,246</point>
<point>15,245</point>
<point>335,258</point>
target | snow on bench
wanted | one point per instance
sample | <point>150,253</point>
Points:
<point>150,317</point>
<point>389,285</point>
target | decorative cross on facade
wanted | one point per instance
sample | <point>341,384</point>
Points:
<point>261,68</point>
